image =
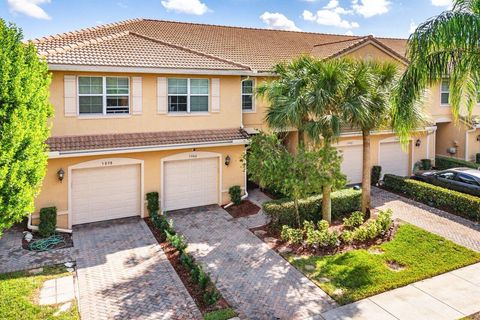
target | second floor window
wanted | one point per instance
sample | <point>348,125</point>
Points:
<point>247,95</point>
<point>188,95</point>
<point>103,95</point>
<point>445,91</point>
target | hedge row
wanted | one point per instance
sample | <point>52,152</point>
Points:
<point>458,203</point>
<point>282,212</point>
<point>443,163</point>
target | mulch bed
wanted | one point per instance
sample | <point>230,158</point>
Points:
<point>272,239</point>
<point>67,238</point>
<point>244,209</point>
<point>192,287</point>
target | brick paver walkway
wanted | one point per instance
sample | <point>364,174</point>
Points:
<point>454,228</point>
<point>124,274</point>
<point>260,219</point>
<point>257,281</point>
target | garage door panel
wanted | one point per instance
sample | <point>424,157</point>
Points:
<point>105,193</point>
<point>393,159</point>
<point>352,163</point>
<point>190,183</point>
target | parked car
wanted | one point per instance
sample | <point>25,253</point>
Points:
<point>465,180</point>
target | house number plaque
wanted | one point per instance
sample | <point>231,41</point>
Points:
<point>107,163</point>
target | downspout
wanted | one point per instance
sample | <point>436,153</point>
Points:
<point>35,228</point>
<point>466,142</point>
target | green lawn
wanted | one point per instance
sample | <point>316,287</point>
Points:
<point>19,290</point>
<point>357,274</point>
<point>223,314</point>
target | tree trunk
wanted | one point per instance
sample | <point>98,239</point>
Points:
<point>327,203</point>
<point>366,173</point>
<point>297,212</point>
<point>300,137</point>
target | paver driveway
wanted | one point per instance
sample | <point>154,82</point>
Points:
<point>258,282</point>
<point>124,274</point>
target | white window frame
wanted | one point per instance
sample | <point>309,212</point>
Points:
<point>444,91</point>
<point>104,97</point>
<point>189,95</point>
<point>247,94</point>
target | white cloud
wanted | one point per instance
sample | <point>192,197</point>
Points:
<point>331,15</point>
<point>442,3</point>
<point>413,26</point>
<point>30,8</point>
<point>186,6</point>
<point>370,8</point>
<point>279,21</point>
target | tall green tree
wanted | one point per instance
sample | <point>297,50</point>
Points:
<point>307,95</point>
<point>368,107</point>
<point>447,45</point>
<point>24,113</point>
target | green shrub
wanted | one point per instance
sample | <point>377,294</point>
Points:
<point>153,203</point>
<point>211,296</point>
<point>48,221</point>
<point>187,261</point>
<point>203,279</point>
<point>426,164</point>
<point>356,219</point>
<point>235,194</point>
<point>282,212</point>
<point>384,220</point>
<point>443,163</point>
<point>177,241</point>
<point>375,175</point>
<point>291,235</point>
<point>458,203</point>
<point>223,314</point>
<point>477,158</point>
<point>323,225</point>
<point>346,236</point>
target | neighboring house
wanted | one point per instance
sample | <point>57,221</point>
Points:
<point>148,105</point>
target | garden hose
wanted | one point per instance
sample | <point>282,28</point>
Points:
<point>46,244</point>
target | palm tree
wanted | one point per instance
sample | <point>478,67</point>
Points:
<point>446,45</point>
<point>368,107</point>
<point>307,95</point>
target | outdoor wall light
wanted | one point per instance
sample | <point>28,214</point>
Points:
<point>227,160</point>
<point>478,137</point>
<point>60,174</point>
<point>418,143</point>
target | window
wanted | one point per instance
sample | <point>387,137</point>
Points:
<point>188,95</point>
<point>103,95</point>
<point>247,95</point>
<point>447,175</point>
<point>445,91</point>
<point>467,179</point>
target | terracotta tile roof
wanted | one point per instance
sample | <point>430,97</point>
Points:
<point>258,49</point>
<point>142,139</point>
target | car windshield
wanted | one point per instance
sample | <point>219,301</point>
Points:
<point>446,175</point>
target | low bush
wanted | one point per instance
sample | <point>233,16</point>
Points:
<point>426,164</point>
<point>282,212</point>
<point>443,163</point>
<point>375,175</point>
<point>235,193</point>
<point>355,220</point>
<point>48,221</point>
<point>153,202</point>
<point>291,235</point>
<point>458,203</point>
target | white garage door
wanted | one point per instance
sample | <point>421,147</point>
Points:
<point>105,193</point>
<point>352,163</point>
<point>190,183</point>
<point>393,159</point>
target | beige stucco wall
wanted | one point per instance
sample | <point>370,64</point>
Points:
<point>451,135</point>
<point>55,193</point>
<point>228,117</point>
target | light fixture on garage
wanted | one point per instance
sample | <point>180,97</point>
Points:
<point>227,160</point>
<point>60,174</point>
<point>478,137</point>
<point>418,143</point>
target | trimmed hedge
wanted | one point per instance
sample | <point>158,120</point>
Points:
<point>444,163</point>
<point>455,202</point>
<point>48,222</point>
<point>282,212</point>
<point>375,174</point>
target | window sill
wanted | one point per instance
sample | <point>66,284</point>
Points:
<point>249,111</point>
<point>96,117</point>
<point>186,114</point>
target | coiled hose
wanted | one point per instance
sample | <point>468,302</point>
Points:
<point>46,244</point>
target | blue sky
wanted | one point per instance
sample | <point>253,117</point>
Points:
<point>360,17</point>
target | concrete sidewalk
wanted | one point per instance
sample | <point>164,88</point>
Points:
<point>449,296</point>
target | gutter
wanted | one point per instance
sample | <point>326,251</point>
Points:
<point>93,152</point>
<point>35,228</point>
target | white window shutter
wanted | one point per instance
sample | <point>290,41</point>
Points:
<point>136,95</point>
<point>215,95</point>
<point>162,95</point>
<point>70,95</point>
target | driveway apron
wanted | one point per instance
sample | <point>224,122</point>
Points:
<point>257,281</point>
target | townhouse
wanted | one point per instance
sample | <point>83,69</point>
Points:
<point>146,105</point>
